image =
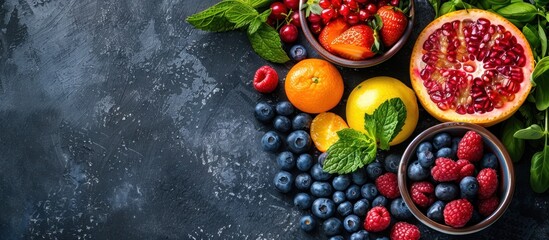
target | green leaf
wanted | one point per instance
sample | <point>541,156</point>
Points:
<point>388,119</point>
<point>514,146</point>
<point>241,14</point>
<point>315,8</point>
<point>498,2</point>
<point>436,5</point>
<point>256,23</point>
<point>539,171</point>
<point>266,43</point>
<point>258,3</point>
<point>530,133</point>
<point>542,39</point>
<point>541,3</point>
<point>531,34</point>
<point>213,19</point>
<point>540,77</point>
<point>520,11</point>
<point>447,7</point>
<point>353,150</point>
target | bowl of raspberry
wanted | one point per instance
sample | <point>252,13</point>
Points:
<point>357,33</point>
<point>456,178</point>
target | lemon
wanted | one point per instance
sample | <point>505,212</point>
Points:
<point>371,93</point>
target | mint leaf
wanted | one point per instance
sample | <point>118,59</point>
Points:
<point>256,23</point>
<point>241,14</point>
<point>213,19</point>
<point>258,3</point>
<point>266,43</point>
<point>386,121</point>
<point>353,150</point>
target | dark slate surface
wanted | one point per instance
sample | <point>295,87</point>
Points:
<point>118,120</point>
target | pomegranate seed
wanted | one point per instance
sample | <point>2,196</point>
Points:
<point>314,18</point>
<point>371,8</point>
<point>325,4</point>
<point>336,3</point>
<point>469,68</point>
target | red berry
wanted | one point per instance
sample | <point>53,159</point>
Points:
<point>325,4</point>
<point>292,4</point>
<point>314,18</point>
<point>327,15</point>
<point>336,3</point>
<point>344,10</point>
<point>465,168</point>
<point>377,219</point>
<point>487,182</point>
<point>353,19</point>
<point>265,79</point>
<point>362,1</point>
<point>371,8</point>
<point>288,33</point>
<point>423,193</point>
<point>353,5</point>
<point>457,213</point>
<point>445,170</point>
<point>387,185</point>
<point>316,28</point>
<point>470,147</point>
<point>278,10</point>
<point>271,21</point>
<point>363,15</point>
<point>381,3</point>
<point>488,206</point>
<point>394,2</point>
<point>405,231</point>
<point>295,19</point>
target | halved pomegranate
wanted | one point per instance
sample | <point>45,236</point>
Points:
<point>471,66</point>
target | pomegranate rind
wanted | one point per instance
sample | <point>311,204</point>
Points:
<point>450,115</point>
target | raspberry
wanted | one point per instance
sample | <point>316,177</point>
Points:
<point>387,185</point>
<point>466,168</point>
<point>445,170</point>
<point>377,219</point>
<point>458,212</point>
<point>470,147</point>
<point>487,183</point>
<point>488,206</point>
<point>423,193</point>
<point>265,79</point>
<point>405,231</point>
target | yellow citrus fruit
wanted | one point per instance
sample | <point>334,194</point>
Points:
<point>314,85</point>
<point>371,93</point>
<point>324,130</point>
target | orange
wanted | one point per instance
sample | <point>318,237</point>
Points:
<point>324,130</point>
<point>314,85</point>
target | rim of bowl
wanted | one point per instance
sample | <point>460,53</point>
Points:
<point>350,63</point>
<point>506,190</point>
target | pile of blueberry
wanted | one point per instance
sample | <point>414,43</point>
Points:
<point>335,205</point>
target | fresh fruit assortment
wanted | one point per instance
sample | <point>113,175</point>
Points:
<point>357,29</point>
<point>453,188</point>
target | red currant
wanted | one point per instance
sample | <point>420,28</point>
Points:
<point>364,15</point>
<point>278,10</point>
<point>352,19</point>
<point>353,5</point>
<point>327,14</point>
<point>292,4</point>
<point>325,4</point>
<point>288,33</point>
<point>336,3</point>
<point>395,2</point>
<point>314,18</point>
<point>371,8</point>
<point>316,28</point>
<point>344,10</point>
<point>295,19</point>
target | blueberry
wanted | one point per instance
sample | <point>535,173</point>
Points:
<point>345,208</point>
<point>282,124</point>
<point>321,158</point>
<point>299,141</point>
<point>284,108</point>
<point>283,181</point>
<point>476,218</point>
<point>417,173</point>
<point>424,146</point>
<point>360,235</point>
<point>338,197</point>
<point>441,140</point>
<point>285,160</point>
<point>361,207</point>
<point>304,162</point>
<point>446,191</point>
<point>318,173</point>
<point>353,192</point>
<point>271,141</point>
<point>435,211</point>
<point>303,181</point>
<point>341,182</point>
<point>301,121</point>
<point>426,159</point>
<point>298,52</point>
<point>264,112</point>
<point>445,152</point>
<point>359,176</point>
<point>489,160</point>
<point>468,187</point>
<point>380,200</point>
<point>332,226</point>
<point>321,189</point>
<point>337,237</point>
<point>455,143</point>
<point>369,191</point>
<point>307,223</point>
<point>391,162</point>
<point>323,208</point>
<point>374,170</point>
<point>351,223</point>
<point>382,238</point>
<point>303,201</point>
<point>400,210</point>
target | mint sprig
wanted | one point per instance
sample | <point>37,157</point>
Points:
<point>355,149</point>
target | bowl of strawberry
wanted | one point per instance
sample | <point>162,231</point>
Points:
<point>357,33</point>
<point>456,178</point>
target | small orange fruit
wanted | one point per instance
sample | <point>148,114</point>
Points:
<point>314,86</point>
<point>324,130</point>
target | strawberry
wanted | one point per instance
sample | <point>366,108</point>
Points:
<point>331,31</point>
<point>355,43</point>
<point>393,24</point>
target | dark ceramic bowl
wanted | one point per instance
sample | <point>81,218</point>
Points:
<point>506,175</point>
<point>312,39</point>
